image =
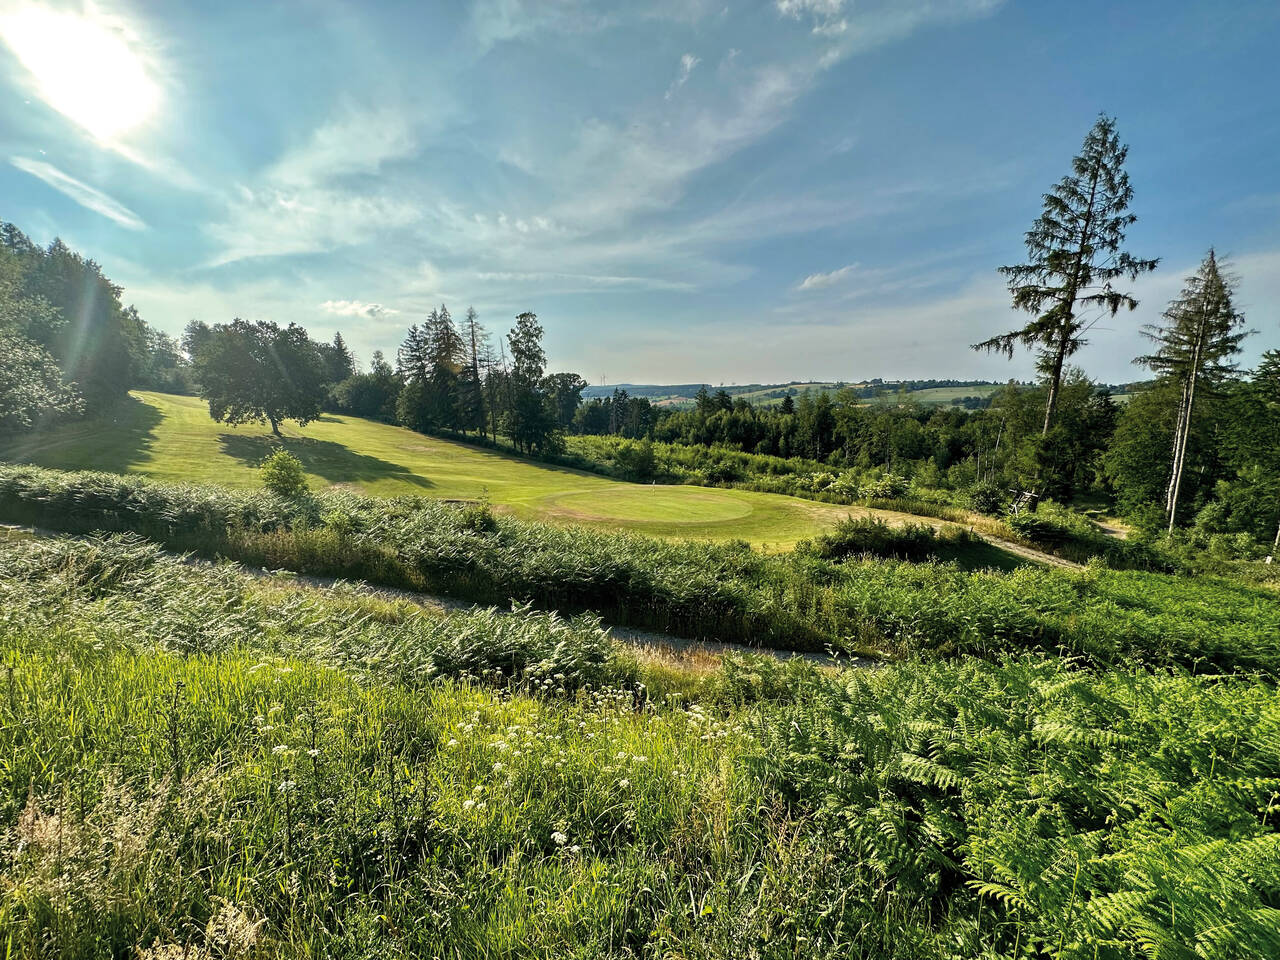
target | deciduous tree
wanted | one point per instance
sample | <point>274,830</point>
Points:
<point>260,372</point>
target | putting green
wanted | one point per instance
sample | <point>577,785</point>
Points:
<point>647,503</point>
<point>172,438</point>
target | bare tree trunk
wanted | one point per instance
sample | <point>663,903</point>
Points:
<point>275,427</point>
<point>1175,464</point>
<point>1189,392</point>
<point>1055,382</point>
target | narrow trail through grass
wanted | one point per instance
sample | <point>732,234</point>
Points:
<point>659,644</point>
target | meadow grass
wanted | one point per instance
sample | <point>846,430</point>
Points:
<point>172,438</point>
<point>727,592</point>
<point>192,769</point>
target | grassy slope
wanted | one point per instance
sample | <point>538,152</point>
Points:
<point>172,438</point>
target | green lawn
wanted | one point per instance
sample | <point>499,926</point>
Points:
<point>172,438</point>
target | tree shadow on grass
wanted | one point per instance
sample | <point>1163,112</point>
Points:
<point>114,441</point>
<point>322,458</point>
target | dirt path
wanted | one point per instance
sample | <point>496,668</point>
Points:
<point>1029,553</point>
<point>896,518</point>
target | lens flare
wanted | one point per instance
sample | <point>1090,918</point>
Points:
<point>84,67</point>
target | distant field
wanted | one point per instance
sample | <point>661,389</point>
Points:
<point>173,438</point>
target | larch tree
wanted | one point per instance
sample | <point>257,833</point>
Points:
<point>1074,256</point>
<point>1194,348</point>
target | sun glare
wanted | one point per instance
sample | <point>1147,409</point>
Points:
<point>82,68</point>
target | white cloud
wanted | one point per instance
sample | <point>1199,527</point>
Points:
<point>687,63</point>
<point>357,308</point>
<point>817,8</point>
<point>816,281</point>
<point>88,197</point>
<point>358,140</point>
<point>825,14</point>
<point>307,201</point>
<point>497,21</point>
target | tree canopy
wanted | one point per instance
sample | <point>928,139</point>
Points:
<point>261,372</point>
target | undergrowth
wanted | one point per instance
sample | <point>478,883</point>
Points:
<point>202,764</point>
<point>727,592</point>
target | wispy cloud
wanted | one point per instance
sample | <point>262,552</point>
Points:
<point>357,308</point>
<point>496,21</point>
<point>306,203</point>
<point>824,14</point>
<point>816,281</point>
<point>88,197</point>
<point>687,64</point>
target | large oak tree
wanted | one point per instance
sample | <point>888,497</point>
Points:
<point>261,373</point>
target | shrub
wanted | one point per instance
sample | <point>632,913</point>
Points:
<point>869,536</point>
<point>283,475</point>
<point>988,498</point>
<point>888,487</point>
<point>477,517</point>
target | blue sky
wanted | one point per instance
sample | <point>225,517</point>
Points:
<point>682,190</point>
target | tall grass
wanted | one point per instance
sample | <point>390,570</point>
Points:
<point>240,781</point>
<point>723,592</point>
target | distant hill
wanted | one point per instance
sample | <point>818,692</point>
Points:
<point>957,392</point>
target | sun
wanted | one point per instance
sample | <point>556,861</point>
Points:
<point>84,68</point>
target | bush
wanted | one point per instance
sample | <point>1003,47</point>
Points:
<point>478,518</point>
<point>868,536</point>
<point>282,474</point>
<point>889,487</point>
<point>988,498</point>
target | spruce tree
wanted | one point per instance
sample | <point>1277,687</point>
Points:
<point>342,361</point>
<point>1194,346</point>
<point>470,382</point>
<point>411,364</point>
<point>529,421</point>
<point>445,355</point>
<point>1074,255</point>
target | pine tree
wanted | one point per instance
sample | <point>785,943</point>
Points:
<point>471,401</point>
<point>1202,331</point>
<point>529,421</point>
<point>1074,255</point>
<point>411,364</point>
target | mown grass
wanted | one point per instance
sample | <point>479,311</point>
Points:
<point>172,438</point>
<point>704,591</point>
<point>228,782</point>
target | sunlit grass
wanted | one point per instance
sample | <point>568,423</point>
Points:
<point>172,438</point>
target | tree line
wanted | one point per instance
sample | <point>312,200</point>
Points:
<point>1200,443</point>
<point>69,344</point>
